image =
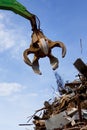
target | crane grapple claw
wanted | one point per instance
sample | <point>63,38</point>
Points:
<point>41,47</point>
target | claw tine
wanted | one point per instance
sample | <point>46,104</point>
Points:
<point>61,44</point>
<point>25,56</point>
<point>35,66</point>
<point>54,62</point>
<point>37,72</point>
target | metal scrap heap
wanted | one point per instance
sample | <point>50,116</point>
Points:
<point>69,111</point>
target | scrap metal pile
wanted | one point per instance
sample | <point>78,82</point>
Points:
<point>69,111</point>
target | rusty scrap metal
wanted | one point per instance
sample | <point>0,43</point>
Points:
<point>73,104</point>
<point>81,67</point>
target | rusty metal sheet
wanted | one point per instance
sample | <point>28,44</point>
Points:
<point>81,66</point>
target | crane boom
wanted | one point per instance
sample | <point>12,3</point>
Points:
<point>18,8</point>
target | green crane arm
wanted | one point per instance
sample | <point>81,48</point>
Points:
<point>18,8</point>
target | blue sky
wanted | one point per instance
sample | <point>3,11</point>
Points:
<point>21,90</point>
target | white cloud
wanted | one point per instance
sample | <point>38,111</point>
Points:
<point>6,89</point>
<point>1,16</point>
<point>6,41</point>
<point>11,36</point>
